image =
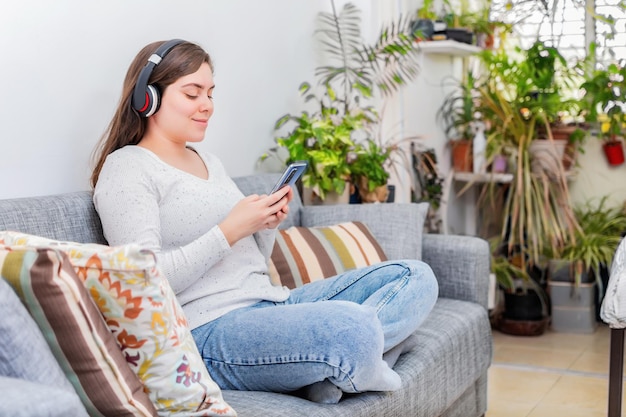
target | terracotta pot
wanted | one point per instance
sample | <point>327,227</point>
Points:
<point>560,132</point>
<point>614,152</point>
<point>570,155</point>
<point>462,156</point>
<point>379,195</point>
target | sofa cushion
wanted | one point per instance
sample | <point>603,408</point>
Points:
<point>398,227</point>
<point>302,254</point>
<point>24,353</point>
<point>21,398</point>
<point>75,331</point>
<point>142,312</point>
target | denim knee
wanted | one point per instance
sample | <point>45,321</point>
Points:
<point>358,348</point>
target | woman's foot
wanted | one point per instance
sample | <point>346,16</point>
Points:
<point>392,355</point>
<point>324,392</point>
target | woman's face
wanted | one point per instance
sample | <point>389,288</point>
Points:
<point>186,107</point>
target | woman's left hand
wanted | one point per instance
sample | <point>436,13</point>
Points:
<point>281,214</point>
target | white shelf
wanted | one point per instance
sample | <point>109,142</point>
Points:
<point>486,177</point>
<point>448,47</point>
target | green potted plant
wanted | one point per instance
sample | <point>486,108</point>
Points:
<point>369,172</point>
<point>356,75</point>
<point>525,302</point>
<point>323,138</point>
<point>541,84</point>
<point>456,115</point>
<point>597,238</point>
<point>605,99</point>
<point>535,204</point>
<point>574,274</point>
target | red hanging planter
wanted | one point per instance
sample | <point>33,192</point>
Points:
<point>614,152</point>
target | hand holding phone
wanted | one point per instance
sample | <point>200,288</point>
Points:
<point>290,175</point>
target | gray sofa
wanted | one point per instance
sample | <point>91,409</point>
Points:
<point>445,375</point>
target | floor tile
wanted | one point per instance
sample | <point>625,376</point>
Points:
<point>578,391</point>
<point>536,356</point>
<point>563,411</point>
<point>592,362</point>
<point>552,375</point>
<point>519,386</point>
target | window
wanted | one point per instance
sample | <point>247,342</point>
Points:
<point>570,25</point>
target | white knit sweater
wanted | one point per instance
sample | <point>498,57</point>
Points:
<point>141,199</point>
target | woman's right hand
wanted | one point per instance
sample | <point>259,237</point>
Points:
<point>254,213</point>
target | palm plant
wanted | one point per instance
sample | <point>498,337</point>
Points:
<point>597,239</point>
<point>361,69</point>
<point>536,204</point>
<point>355,74</point>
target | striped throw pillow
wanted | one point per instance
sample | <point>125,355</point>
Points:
<point>305,254</point>
<point>75,331</point>
<point>144,320</point>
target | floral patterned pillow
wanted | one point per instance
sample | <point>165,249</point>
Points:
<point>148,323</point>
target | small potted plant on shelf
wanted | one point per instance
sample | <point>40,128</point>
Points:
<point>456,115</point>
<point>605,99</point>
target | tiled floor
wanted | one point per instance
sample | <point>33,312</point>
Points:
<point>552,375</point>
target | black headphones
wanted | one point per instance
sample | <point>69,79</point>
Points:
<point>146,97</point>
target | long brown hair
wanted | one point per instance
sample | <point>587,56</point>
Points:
<point>127,127</point>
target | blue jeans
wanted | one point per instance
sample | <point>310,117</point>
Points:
<point>337,328</point>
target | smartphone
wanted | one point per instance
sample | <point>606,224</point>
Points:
<point>291,175</point>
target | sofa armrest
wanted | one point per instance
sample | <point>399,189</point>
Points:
<point>461,265</point>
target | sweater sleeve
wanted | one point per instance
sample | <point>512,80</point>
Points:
<point>265,241</point>
<point>128,205</point>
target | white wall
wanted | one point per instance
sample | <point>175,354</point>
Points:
<point>596,178</point>
<point>63,63</point>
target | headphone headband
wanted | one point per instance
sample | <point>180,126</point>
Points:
<point>145,97</point>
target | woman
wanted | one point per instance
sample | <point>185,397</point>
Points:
<point>150,187</point>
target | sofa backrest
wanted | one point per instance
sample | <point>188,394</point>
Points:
<point>73,217</point>
<point>67,217</point>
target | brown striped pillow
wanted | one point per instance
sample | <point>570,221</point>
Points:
<point>306,254</point>
<point>82,344</point>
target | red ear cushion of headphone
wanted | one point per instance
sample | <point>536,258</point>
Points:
<point>152,101</point>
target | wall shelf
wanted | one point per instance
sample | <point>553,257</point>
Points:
<point>448,47</point>
<point>486,177</point>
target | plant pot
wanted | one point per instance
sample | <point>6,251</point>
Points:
<point>526,306</point>
<point>460,35</point>
<point>560,270</point>
<point>523,314</point>
<point>570,155</point>
<point>562,132</point>
<point>310,197</point>
<point>500,164</point>
<point>378,195</point>
<point>573,307</point>
<point>422,29</point>
<point>462,155</point>
<point>485,40</point>
<point>614,152</point>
